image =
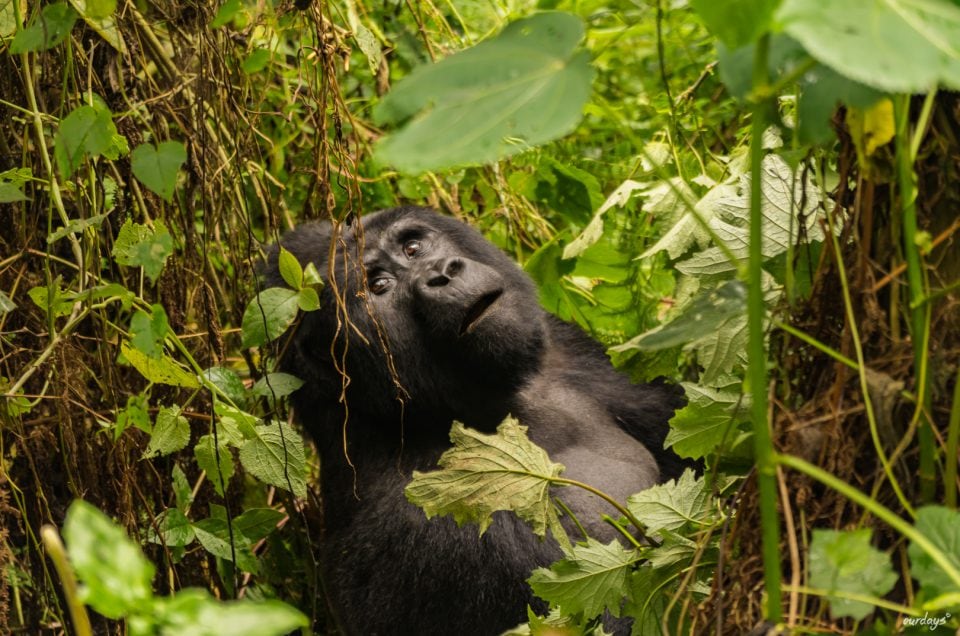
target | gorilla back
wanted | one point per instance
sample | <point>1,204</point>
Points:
<point>424,321</point>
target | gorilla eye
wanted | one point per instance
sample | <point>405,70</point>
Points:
<point>379,285</point>
<point>411,247</point>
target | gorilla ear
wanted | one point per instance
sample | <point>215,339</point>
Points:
<point>310,243</point>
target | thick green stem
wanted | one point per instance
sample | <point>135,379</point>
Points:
<point>756,308</point>
<point>908,201</point>
<point>58,554</point>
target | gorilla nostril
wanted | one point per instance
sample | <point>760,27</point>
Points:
<point>437,281</point>
<point>453,268</point>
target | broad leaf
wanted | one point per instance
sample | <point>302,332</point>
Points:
<point>846,562</point>
<point>867,40</point>
<point>520,89</point>
<point>148,331</point>
<point>268,315</point>
<point>276,385</point>
<point>276,457</point>
<point>47,30</point>
<point>736,22</point>
<point>592,578</point>
<point>482,474</point>
<point>709,417</point>
<point>216,461</point>
<point>674,505</point>
<point>173,529</point>
<point>157,166</point>
<point>215,537</point>
<point>116,577</point>
<point>143,246</point>
<point>170,434</point>
<point>257,523</point>
<point>194,612</point>
<point>10,193</point>
<point>227,382</point>
<point>163,370</point>
<point>85,131</point>
<point>942,527</point>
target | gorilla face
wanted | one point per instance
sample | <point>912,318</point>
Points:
<point>430,312</point>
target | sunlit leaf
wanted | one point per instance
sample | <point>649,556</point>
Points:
<point>846,562</point>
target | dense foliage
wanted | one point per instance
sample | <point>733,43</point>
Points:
<point>754,198</point>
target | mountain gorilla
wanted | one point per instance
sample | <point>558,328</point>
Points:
<point>438,324</point>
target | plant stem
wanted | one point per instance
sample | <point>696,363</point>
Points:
<point>953,437</point>
<point>757,372</point>
<point>58,554</point>
<point>908,201</point>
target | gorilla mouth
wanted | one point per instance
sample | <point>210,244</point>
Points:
<point>478,309</point>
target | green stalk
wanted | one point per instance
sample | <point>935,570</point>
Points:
<point>58,554</point>
<point>908,201</point>
<point>757,372</point>
<point>953,437</point>
<point>878,510</point>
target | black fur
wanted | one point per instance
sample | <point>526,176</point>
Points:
<point>388,570</point>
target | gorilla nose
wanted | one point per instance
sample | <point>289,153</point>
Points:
<point>444,271</point>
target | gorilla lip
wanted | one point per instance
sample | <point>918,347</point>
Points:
<point>478,309</point>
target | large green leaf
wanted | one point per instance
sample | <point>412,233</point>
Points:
<point>268,315</point>
<point>894,45</point>
<point>193,612</point>
<point>85,131</point>
<point>276,457</point>
<point>698,428</point>
<point>736,22</point>
<point>143,246</point>
<point>157,166</point>
<point>115,575</point>
<point>846,562</point>
<point>591,579</point>
<point>522,88</point>
<point>47,30</point>
<point>942,527</point>
<point>482,474</point>
<point>170,434</point>
<point>675,504</point>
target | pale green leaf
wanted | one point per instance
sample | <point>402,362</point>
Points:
<point>941,526</point>
<point>482,474</point>
<point>170,434</point>
<point>592,578</point>
<point>846,562</point>
<point>520,89</point>
<point>8,19</point>
<point>215,537</point>
<point>594,230</point>
<point>276,456</point>
<point>709,418</point>
<point>216,461</point>
<point>10,193</point>
<point>276,385</point>
<point>148,331</point>
<point>193,612</point>
<point>116,577</point>
<point>736,22</point>
<point>290,269</point>
<point>173,529</point>
<point>866,40</point>
<point>679,503</point>
<point>157,166</point>
<point>142,246</point>
<point>85,131</point>
<point>162,370</point>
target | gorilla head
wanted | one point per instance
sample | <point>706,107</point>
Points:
<point>423,321</point>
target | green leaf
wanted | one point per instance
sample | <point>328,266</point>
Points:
<point>207,453</point>
<point>161,371</point>
<point>6,304</point>
<point>941,526</point>
<point>276,385</point>
<point>181,489</point>
<point>215,537</point>
<point>148,331</point>
<point>170,434</point>
<point>592,578</point>
<point>268,315</point>
<point>290,268</point>
<point>698,429</point>
<point>8,18</point>
<point>85,131</point>
<point>10,193</point>
<point>173,529</point>
<point>256,61</point>
<point>308,299</point>
<point>157,166</point>
<point>276,457</point>
<point>193,612</point>
<point>76,226</point>
<point>115,575</point>
<point>736,22</point>
<point>228,382</point>
<point>482,474</point>
<point>134,414</point>
<point>55,301</point>
<point>523,88</point>
<point>47,30</point>
<point>257,523</point>
<point>674,505</point>
<point>142,246</point>
<point>866,40</point>
<point>846,562</point>
<point>95,9</point>
<point>594,229</point>
<point>703,315</point>
<point>236,426</point>
<point>226,13</point>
